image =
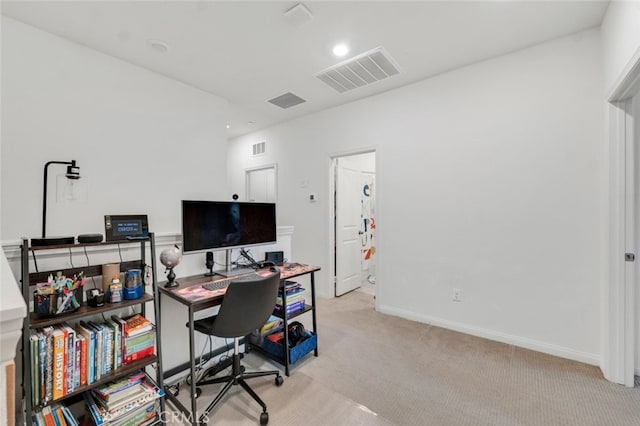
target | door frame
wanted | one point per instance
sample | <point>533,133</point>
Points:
<point>619,276</point>
<point>332,212</point>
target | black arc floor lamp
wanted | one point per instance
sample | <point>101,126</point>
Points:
<point>73,172</point>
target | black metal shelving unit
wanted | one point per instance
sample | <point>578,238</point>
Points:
<point>29,279</point>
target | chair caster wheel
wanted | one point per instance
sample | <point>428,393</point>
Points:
<point>198,393</point>
<point>279,380</point>
<point>242,369</point>
<point>264,418</point>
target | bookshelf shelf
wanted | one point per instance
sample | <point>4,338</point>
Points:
<point>121,371</point>
<point>84,312</point>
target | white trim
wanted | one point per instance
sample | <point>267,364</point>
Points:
<point>618,302</point>
<point>165,239</point>
<point>628,83</point>
<point>510,339</point>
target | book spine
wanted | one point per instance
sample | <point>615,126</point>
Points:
<point>117,345</point>
<point>138,355</point>
<point>108,349</point>
<point>58,366</point>
<point>83,360</point>
<point>78,353</point>
<point>42,347</point>
<point>71,359</point>
<point>34,357</point>
<point>98,330</point>
<point>50,364</point>
<point>58,417</point>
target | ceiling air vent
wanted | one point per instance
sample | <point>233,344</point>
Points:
<point>259,148</point>
<point>287,100</point>
<point>359,71</point>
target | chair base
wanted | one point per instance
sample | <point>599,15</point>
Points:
<point>237,377</point>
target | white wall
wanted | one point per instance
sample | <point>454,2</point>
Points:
<point>143,143</point>
<point>487,181</point>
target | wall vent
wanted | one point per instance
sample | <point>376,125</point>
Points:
<point>287,100</point>
<point>361,70</point>
<point>259,148</point>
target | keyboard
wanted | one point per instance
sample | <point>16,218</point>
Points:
<point>224,282</point>
<point>218,284</point>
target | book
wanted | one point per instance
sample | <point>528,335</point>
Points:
<point>70,357</point>
<point>99,347</point>
<point>106,391</point>
<point>120,412</point>
<point>141,341</point>
<point>48,331</point>
<point>34,366</point>
<point>108,348</point>
<point>48,416</point>
<point>76,363</point>
<point>58,416</point>
<point>83,359</point>
<point>58,364</point>
<point>139,355</point>
<point>89,334</point>
<point>293,307</point>
<point>137,324</point>
<point>65,359</point>
<point>117,342</point>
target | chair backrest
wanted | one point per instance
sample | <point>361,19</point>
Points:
<point>246,306</point>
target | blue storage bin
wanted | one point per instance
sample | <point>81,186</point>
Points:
<point>296,352</point>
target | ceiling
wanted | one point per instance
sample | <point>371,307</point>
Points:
<point>249,52</point>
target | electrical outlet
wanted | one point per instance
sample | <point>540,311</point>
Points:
<point>456,295</point>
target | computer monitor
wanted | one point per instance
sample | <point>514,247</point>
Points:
<point>212,225</point>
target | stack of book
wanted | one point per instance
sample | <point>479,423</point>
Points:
<point>54,415</point>
<point>66,358</point>
<point>132,400</point>
<point>294,294</point>
<point>138,338</point>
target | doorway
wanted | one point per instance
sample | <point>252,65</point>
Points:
<point>354,223</point>
<point>261,184</point>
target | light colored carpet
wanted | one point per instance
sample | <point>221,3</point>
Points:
<point>375,369</point>
<point>415,374</point>
<point>299,401</point>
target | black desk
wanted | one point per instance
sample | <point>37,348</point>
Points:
<point>191,294</point>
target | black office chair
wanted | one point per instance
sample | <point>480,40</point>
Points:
<point>246,306</point>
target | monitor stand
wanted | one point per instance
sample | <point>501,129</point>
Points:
<point>230,271</point>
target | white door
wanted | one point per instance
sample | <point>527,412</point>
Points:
<point>261,184</point>
<point>348,209</point>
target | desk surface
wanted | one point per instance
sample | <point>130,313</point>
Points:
<point>190,291</point>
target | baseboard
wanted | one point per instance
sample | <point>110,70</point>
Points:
<point>547,348</point>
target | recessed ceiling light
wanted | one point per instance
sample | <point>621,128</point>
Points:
<point>158,45</point>
<point>228,126</point>
<point>340,50</point>
<point>250,123</point>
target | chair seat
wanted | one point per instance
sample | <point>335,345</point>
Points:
<point>204,325</point>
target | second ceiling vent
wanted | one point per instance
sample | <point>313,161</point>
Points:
<point>287,100</point>
<point>359,71</point>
